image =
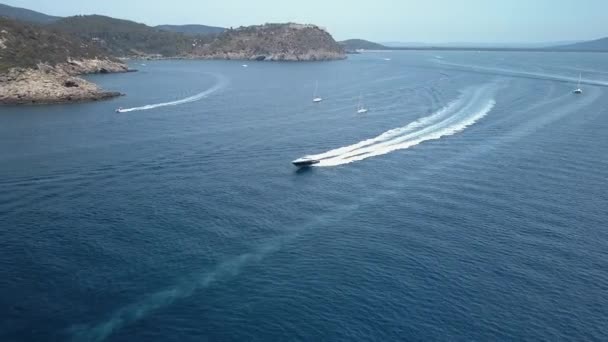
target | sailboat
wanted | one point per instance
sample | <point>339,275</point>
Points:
<point>315,98</point>
<point>578,89</point>
<point>360,108</point>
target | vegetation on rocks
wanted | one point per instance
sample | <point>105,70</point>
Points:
<point>40,66</point>
<point>125,38</point>
<point>290,42</point>
<point>25,45</point>
<point>361,44</point>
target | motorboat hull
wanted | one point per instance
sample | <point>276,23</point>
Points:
<point>305,162</point>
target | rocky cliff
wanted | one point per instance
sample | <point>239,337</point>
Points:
<point>272,42</point>
<point>46,85</point>
<point>40,66</point>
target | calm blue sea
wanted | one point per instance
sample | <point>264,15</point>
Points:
<point>469,203</point>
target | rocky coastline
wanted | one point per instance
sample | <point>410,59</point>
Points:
<point>46,84</point>
<point>313,55</point>
<point>271,42</point>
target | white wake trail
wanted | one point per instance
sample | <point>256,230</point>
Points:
<point>470,107</point>
<point>220,84</point>
<point>392,133</point>
<point>527,74</point>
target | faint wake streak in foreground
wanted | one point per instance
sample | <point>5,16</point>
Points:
<point>220,84</point>
<point>133,312</point>
<point>471,106</point>
<point>148,303</point>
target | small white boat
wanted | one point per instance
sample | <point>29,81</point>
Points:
<point>119,110</point>
<point>578,89</point>
<point>245,65</point>
<point>360,108</point>
<point>315,98</point>
<point>387,59</point>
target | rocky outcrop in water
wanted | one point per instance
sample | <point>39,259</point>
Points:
<point>41,66</point>
<point>56,84</point>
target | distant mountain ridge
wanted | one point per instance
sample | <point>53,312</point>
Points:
<point>361,44</point>
<point>191,30</point>
<point>597,45</point>
<point>26,15</point>
<point>534,45</point>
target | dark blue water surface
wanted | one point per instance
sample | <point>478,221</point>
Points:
<point>477,211</point>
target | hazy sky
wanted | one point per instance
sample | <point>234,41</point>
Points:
<point>379,20</point>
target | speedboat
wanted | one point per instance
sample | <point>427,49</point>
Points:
<point>578,90</point>
<point>305,162</point>
<point>118,110</point>
<point>315,98</point>
<point>360,108</point>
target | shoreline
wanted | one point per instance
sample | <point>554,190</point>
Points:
<point>239,57</point>
<point>59,84</point>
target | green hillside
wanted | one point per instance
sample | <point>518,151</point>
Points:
<point>125,38</point>
<point>26,45</point>
<point>360,44</point>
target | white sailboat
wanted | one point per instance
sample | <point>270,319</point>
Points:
<point>578,89</point>
<point>360,108</point>
<point>315,98</point>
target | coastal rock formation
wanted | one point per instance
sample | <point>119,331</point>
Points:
<point>40,66</point>
<point>272,42</point>
<point>47,85</point>
<point>92,66</point>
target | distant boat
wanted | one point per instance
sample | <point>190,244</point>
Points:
<point>245,65</point>
<point>387,59</point>
<point>119,110</point>
<point>578,89</point>
<point>305,162</point>
<point>315,98</point>
<point>360,108</point>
